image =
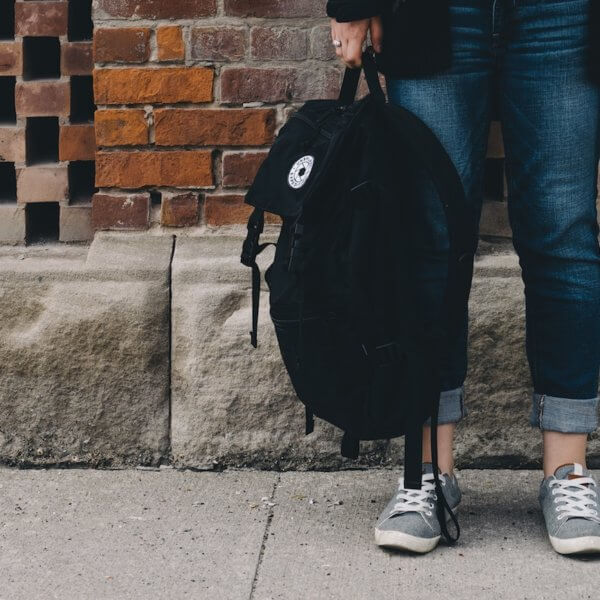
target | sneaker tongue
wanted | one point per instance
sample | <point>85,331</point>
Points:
<point>570,471</point>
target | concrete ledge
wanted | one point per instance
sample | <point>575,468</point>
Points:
<point>87,376</point>
<point>84,349</point>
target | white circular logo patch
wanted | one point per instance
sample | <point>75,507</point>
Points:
<point>300,171</point>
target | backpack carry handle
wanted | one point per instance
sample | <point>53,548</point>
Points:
<point>352,78</point>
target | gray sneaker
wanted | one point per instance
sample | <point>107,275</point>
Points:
<point>409,521</point>
<point>569,500</point>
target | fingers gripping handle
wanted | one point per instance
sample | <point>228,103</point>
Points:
<point>352,78</point>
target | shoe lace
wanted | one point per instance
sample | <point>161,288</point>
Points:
<point>420,501</point>
<point>576,498</point>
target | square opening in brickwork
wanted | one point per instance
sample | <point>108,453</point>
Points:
<point>42,135</point>
<point>42,222</point>
<point>82,175</point>
<point>494,179</point>
<point>41,58</point>
<point>8,182</point>
<point>8,114</point>
<point>81,26</point>
<point>7,19</point>
<point>82,99</point>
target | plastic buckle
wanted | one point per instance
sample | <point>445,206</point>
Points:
<point>250,245</point>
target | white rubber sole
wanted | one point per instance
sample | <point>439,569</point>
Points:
<point>403,541</point>
<point>581,545</point>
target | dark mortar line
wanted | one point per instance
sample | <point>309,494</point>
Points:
<point>265,538</point>
<point>170,353</point>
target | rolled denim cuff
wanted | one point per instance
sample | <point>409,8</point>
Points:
<point>566,415</point>
<point>452,407</point>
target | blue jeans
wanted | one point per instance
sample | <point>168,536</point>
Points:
<point>529,57</point>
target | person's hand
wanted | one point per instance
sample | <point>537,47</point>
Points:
<point>353,35</point>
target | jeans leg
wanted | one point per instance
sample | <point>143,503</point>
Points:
<point>456,105</point>
<point>550,115</point>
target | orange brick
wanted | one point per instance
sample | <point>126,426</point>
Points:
<point>131,44</point>
<point>77,142</point>
<point>170,43</point>
<point>191,168</point>
<point>219,127</point>
<point>121,127</point>
<point>230,209</point>
<point>163,85</point>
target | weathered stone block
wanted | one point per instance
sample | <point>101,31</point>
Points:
<point>84,341</point>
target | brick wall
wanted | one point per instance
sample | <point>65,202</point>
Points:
<point>46,120</point>
<point>190,94</point>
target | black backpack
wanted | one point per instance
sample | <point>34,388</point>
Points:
<point>359,329</point>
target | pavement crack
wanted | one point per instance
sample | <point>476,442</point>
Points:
<point>265,537</point>
<point>170,351</point>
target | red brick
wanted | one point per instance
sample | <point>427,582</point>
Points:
<point>11,58</point>
<point>76,58</point>
<point>219,43</point>
<point>230,209</point>
<point>41,18</point>
<point>275,8</point>
<point>128,45</point>
<point>77,142</point>
<point>166,85</point>
<point>191,168</point>
<point>42,98</point>
<point>278,43</point>
<point>124,211</point>
<point>12,144</point>
<point>180,211</point>
<point>158,9</point>
<point>243,84</point>
<point>123,127</point>
<point>170,43</point>
<point>240,168</point>
<point>42,184</point>
<point>218,127</point>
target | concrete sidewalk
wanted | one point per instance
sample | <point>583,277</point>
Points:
<point>244,535</point>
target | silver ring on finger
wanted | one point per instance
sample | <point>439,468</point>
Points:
<point>337,43</point>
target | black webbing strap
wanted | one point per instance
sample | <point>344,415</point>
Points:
<point>352,79</point>
<point>250,250</point>
<point>442,506</point>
